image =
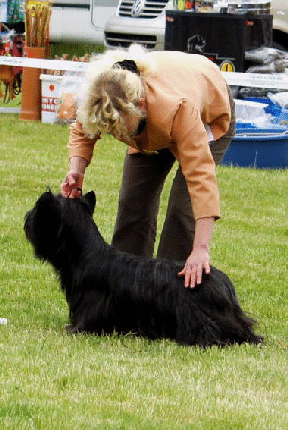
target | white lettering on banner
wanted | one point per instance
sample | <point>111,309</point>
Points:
<point>257,80</point>
<point>49,104</point>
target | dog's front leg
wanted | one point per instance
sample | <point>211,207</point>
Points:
<point>70,329</point>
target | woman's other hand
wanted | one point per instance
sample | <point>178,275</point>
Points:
<point>72,185</point>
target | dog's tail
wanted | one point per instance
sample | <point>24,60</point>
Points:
<point>241,328</point>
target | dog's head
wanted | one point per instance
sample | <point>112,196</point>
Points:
<point>54,218</point>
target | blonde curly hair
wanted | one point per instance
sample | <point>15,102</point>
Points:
<point>111,92</point>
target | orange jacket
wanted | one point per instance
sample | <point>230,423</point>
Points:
<point>184,93</point>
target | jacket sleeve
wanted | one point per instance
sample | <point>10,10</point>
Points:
<point>191,148</point>
<point>79,144</point>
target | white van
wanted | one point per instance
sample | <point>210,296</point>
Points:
<point>143,21</point>
<point>137,21</point>
<point>80,20</point>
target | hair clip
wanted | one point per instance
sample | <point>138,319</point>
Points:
<point>128,65</point>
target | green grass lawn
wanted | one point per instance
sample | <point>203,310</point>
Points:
<point>50,380</point>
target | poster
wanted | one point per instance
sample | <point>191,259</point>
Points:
<point>3,10</point>
<point>12,11</point>
<point>15,11</point>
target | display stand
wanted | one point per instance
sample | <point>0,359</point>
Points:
<point>31,88</point>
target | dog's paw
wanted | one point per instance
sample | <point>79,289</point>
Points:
<point>70,329</point>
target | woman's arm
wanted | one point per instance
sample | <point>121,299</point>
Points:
<point>191,149</point>
<point>80,151</point>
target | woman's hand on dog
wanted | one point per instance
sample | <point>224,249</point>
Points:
<point>197,261</point>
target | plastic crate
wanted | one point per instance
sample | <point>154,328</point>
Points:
<point>264,150</point>
<point>279,114</point>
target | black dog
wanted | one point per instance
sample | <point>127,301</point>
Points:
<point>109,290</point>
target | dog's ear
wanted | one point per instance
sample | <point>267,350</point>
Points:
<point>90,200</point>
<point>48,206</point>
<point>46,197</point>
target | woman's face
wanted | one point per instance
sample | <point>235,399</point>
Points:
<point>132,120</point>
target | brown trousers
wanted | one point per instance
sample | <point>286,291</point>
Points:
<point>142,184</point>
